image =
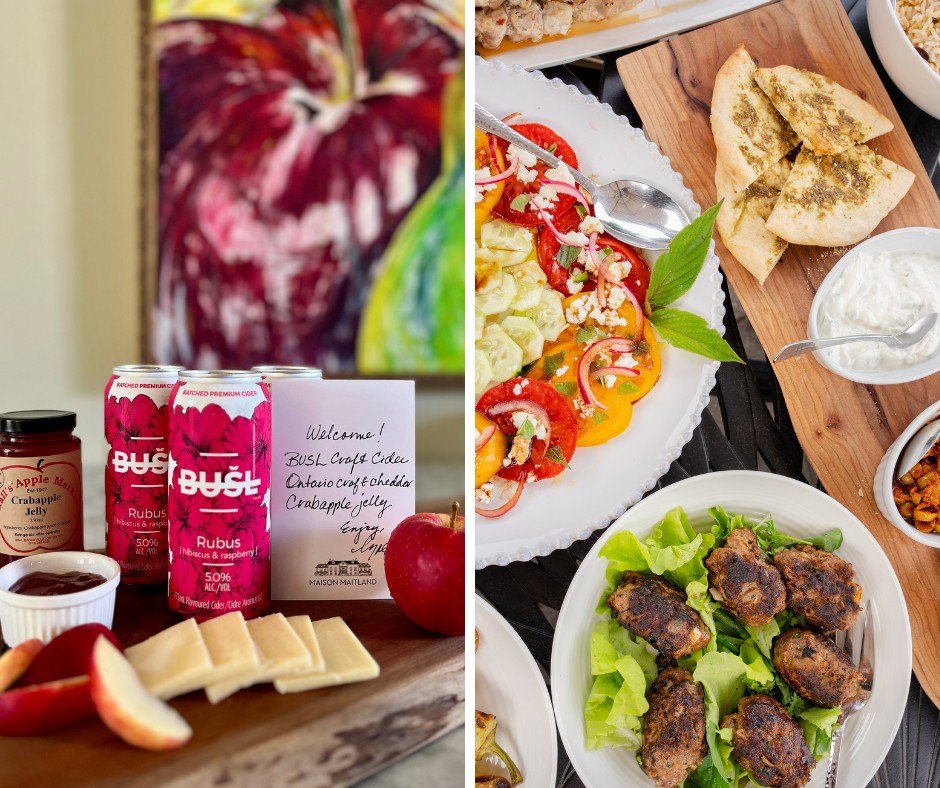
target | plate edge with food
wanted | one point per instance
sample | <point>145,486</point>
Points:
<point>526,548</point>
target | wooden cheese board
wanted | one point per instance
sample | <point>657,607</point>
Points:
<point>844,427</point>
<point>328,737</point>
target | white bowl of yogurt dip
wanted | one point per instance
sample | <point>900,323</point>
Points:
<point>880,287</point>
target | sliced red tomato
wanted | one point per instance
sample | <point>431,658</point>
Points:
<point>544,137</point>
<point>564,426</point>
<point>638,280</point>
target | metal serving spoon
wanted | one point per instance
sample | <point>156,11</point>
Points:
<point>922,442</point>
<point>913,334</point>
<point>632,211</point>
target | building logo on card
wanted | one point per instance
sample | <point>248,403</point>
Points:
<point>343,572</point>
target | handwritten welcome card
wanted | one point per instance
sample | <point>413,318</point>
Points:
<point>342,478</point>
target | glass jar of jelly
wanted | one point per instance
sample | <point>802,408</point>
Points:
<point>40,484</point>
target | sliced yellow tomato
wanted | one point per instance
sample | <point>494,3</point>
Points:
<point>491,197</point>
<point>490,458</point>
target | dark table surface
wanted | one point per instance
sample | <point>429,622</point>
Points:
<point>750,429</point>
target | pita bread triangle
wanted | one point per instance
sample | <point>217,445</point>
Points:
<point>837,200</point>
<point>742,219</point>
<point>750,134</point>
<point>828,118</point>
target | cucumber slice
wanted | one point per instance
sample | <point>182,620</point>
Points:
<point>488,270</point>
<point>500,234</point>
<point>530,279</point>
<point>497,300</point>
<point>504,355</point>
<point>478,320</point>
<point>483,372</point>
<point>548,314</point>
<point>524,332</point>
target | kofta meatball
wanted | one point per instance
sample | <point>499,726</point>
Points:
<point>768,743</point>
<point>654,609</point>
<point>673,728</point>
<point>748,583</point>
<point>821,587</point>
<point>816,668</point>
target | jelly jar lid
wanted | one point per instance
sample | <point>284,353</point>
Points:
<point>35,422</point>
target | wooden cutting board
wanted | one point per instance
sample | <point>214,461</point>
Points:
<point>844,427</point>
<point>329,737</point>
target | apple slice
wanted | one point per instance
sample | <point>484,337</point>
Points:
<point>67,655</point>
<point>125,705</point>
<point>15,662</point>
<point>44,708</point>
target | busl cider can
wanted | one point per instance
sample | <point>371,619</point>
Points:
<point>269,373</point>
<point>220,524</point>
<point>136,425</point>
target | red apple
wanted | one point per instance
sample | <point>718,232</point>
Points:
<point>67,655</point>
<point>290,150</point>
<point>424,566</point>
<point>14,663</point>
<point>43,708</point>
<point>127,708</point>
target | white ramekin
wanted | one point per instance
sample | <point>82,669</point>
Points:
<point>922,239</point>
<point>884,479</point>
<point>24,617</point>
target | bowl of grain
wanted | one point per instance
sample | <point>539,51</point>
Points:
<point>906,34</point>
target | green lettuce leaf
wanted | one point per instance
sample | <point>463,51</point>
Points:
<point>601,733</point>
<point>818,725</point>
<point>764,635</point>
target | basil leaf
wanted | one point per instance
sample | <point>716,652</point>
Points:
<point>552,148</point>
<point>604,252</point>
<point>641,349</point>
<point>567,255</point>
<point>676,270</point>
<point>581,276</point>
<point>600,416</point>
<point>520,202</point>
<point>627,388</point>
<point>580,209</point>
<point>556,455</point>
<point>690,332</point>
<point>552,363</point>
<point>566,387</point>
<point>527,430</point>
<point>589,334</point>
<point>829,541</point>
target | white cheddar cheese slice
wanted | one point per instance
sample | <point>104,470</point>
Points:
<point>230,646</point>
<point>346,660</point>
<point>304,629</point>
<point>172,662</point>
<point>281,651</point>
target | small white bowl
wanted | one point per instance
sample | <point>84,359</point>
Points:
<point>917,238</point>
<point>24,617</point>
<point>914,78</point>
<point>884,479</point>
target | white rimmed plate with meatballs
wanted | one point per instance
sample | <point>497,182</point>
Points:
<point>700,640</point>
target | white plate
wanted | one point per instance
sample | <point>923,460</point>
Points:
<point>510,686</point>
<point>651,20</point>
<point>603,480</point>
<point>798,510</point>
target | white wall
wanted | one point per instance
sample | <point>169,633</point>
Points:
<point>69,276</point>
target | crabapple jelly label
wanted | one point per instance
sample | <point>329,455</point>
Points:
<point>41,504</point>
<point>219,523</point>
<point>135,481</point>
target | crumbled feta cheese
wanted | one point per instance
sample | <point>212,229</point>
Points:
<point>574,287</point>
<point>620,269</point>
<point>506,462</point>
<point>626,360</point>
<point>525,158</point>
<point>542,201</point>
<point>520,417</point>
<point>574,239</point>
<point>577,311</point>
<point>517,389</point>
<point>615,297</point>
<point>585,259</point>
<point>579,405</point>
<point>520,449</point>
<point>480,188</point>
<point>609,381</point>
<point>561,174</point>
<point>607,317</point>
<point>484,493</point>
<point>530,477</point>
<point>591,224</point>
<point>524,383</point>
<point>561,371</point>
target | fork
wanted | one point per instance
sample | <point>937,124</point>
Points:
<point>866,666</point>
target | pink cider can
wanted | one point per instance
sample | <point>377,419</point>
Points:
<point>220,479</point>
<point>269,373</point>
<point>136,426</point>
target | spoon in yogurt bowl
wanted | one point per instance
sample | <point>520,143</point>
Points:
<point>913,334</point>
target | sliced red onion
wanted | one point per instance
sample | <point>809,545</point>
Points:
<point>507,173</point>
<point>505,507</point>
<point>484,438</point>
<point>592,252</point>
<point>510,117</point>
<point>565,188</point>
<point>493,156</point>
<point>605,371</point>
<point>526,406</point>
<point>548,223</point>
<point>640,320</point>
<point>618,344</point>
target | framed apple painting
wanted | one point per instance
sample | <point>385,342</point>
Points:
<point>303,177</point>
